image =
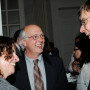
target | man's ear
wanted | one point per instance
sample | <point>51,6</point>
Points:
<point>23,42</point>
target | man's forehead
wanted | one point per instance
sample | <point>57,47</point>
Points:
<point>84,14</point>
<point>32,31</point>
<point>32,28</point>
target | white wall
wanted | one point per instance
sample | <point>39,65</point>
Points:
<point>0,20</point>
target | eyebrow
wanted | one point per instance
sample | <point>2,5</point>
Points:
<point>82,20</point>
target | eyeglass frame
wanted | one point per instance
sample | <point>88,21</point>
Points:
<point>35,37</point>
<point>83,21</point>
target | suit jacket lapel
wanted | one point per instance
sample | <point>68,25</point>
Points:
<point>26,83</point>
<point>50,73</point>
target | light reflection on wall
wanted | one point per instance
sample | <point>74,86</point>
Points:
<point>0,20</point>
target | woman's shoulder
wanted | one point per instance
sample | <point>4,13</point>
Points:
<point>5,85</point>
<point>86,65</point>
<point>86,68</point>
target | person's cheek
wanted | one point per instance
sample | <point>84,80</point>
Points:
<point>88,26</point>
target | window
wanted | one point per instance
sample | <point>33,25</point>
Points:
<point>12,16</point>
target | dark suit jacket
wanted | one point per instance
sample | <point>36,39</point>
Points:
<point>55,74</point>
<point>18,52</point>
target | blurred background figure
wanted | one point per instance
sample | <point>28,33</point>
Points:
<point>49,48</point>
<point>18,48</point>
<point>82,52</point>
<point>8,59</point>
<point>80,75</point>
<point>77,53</point>
<point>77,39</point>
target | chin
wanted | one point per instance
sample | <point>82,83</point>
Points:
<point>40,50</point>
<point>13,71</point>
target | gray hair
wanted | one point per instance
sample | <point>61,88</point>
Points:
<point>22,35</point>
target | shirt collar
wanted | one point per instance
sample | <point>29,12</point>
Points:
<point>31,60</point>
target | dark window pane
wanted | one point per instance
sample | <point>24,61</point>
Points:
<point>2,4</point>
<point>4,31</point>
<point>12,4</point>
<point>12,30</point>
<point>3,17</point>
<point>13,17</point>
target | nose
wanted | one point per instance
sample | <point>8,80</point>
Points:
<point>82,29</point>
<point>16,58</point>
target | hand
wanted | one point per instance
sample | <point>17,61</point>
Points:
<point>75,66</point>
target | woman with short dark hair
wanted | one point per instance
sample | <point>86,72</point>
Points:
<point>8,59</point>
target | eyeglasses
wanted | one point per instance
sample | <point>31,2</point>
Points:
<point>83,21</point>
<point>35,37</point>
<point>75,49</point>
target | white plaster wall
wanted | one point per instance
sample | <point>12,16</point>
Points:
<point>0,20</point>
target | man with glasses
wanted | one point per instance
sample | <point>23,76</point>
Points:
<point>85,20</point>
<point>50,67</point>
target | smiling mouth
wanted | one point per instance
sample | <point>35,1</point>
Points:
<point>88,34</point>
<point>38,45</point>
